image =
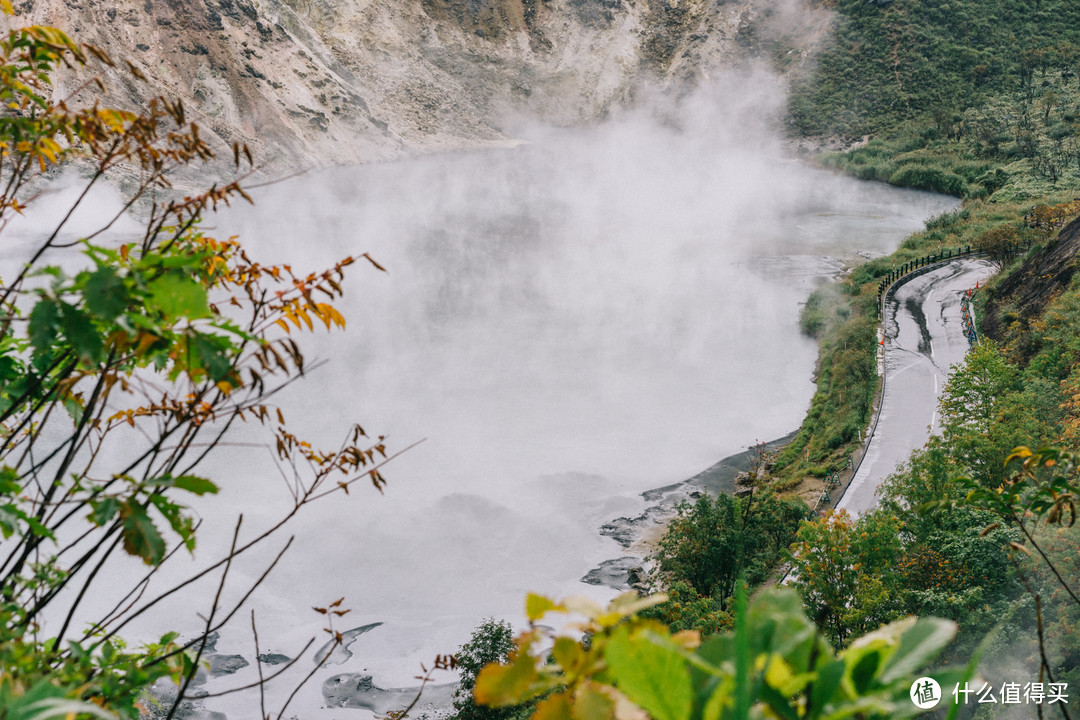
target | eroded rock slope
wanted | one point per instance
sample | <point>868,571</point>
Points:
<point>316,82</point>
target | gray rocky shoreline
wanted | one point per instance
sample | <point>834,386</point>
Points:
<point>639,534</point>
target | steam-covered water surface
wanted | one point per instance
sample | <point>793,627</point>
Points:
<point>565,324</point>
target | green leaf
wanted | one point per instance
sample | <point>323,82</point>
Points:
<point>743,654</point>
<point>918,646</point>
<point>191,483</point>
<point>105,293</point>
<point>592,705</point>
<point>178,295</point>
<point>828,682</point>
<point>865,670</point>
<point>553,707</point>
<point>141,536</point>
<point>211,354</point>
<point>80,331</point>
<point>568,654</point>
<point>720,699</point>
<point>194,484</point>
<point>74,408</point>
<point>182,524</point>
<point>653,676</point>
<point>9,481</point>
<point>44,319</point>
<point>38,528</point>
<point>504,685</point>
<point>778,702</point>
<point>104,510</point>
<point>10,369</point>
<point>9,520</point>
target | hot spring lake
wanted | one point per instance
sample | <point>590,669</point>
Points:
<point>564,324</point>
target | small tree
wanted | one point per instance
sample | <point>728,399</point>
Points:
<point>710,543</point>
<point>491,642</point>
<point>971,408</point>
<point>999,244</point>
<point>838,568</point>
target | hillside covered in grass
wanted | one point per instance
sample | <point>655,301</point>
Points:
<point>974,99</point>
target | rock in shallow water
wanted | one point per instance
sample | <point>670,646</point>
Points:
<point>356,690</point>
<point>274,659</point>
<point>226,664</point>
<point>614,573</point>
<point>340,653</point>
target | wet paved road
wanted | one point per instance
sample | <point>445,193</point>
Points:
<point>923,337</point>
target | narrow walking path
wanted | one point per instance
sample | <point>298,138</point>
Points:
<point>924,336</point>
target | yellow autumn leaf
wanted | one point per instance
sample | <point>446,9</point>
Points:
<point>537,605</point>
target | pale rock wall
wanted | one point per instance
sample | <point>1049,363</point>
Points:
<point>318,82</point>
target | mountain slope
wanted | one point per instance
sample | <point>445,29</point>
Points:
<point>322,82</point>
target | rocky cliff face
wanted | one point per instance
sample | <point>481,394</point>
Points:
<point>315,82</point>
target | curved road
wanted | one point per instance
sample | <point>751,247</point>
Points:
<point>923,337</point>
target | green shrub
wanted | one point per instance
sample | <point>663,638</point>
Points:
<point>928,178</point>
<point>491,642</point>
<point>687,609</point>
<point>812,317</point>
<point>947,220</point>
<point>713,542</point>
<point>993,180</point>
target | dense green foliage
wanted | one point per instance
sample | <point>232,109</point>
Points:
<point>981,101</point>
<point>932,60</point>
<point>973,99</point>
<point>944,540</point>
<point>1038,500</point>
<point>687,609</point>
<point>905,558</point>
<point>773,663</point>
<point>712,543</point>
<point>978,100</point>
<point>844,318</point>
<point>709,546</point>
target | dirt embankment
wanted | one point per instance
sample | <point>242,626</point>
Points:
<point>1021,296</point>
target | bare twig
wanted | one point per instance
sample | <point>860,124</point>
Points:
<point>258,664</point>
<point>209,623</point>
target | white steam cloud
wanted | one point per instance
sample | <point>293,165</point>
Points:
<point>568,323</point>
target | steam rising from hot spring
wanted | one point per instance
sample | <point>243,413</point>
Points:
<point>565,324</point>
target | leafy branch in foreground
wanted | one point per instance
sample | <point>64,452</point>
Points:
<point>122,367</point>
<point>1041,486</point>
<point>775,663</point>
